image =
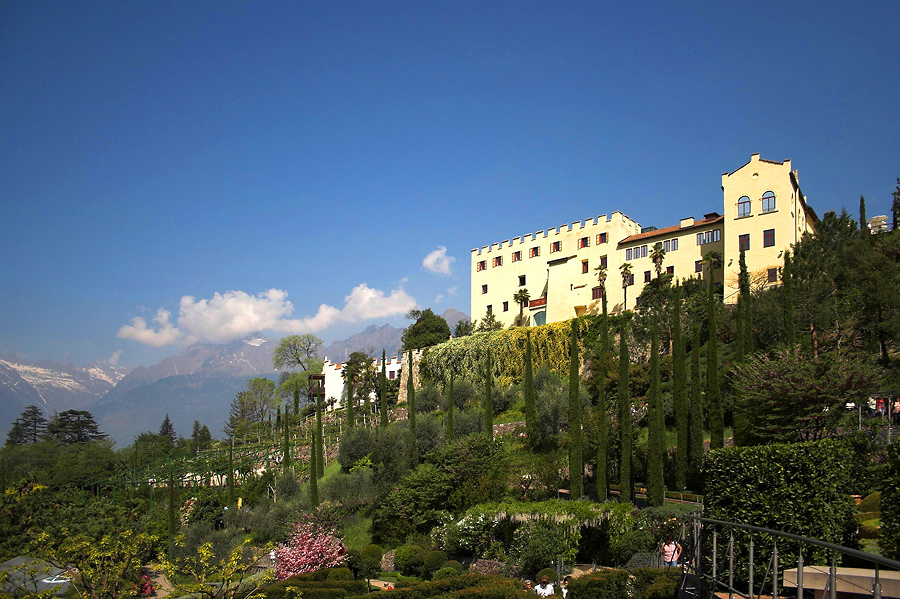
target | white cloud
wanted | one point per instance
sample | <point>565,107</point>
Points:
<point>438,261</point>
<point>439,297</point>
<point>234,314</point>
<point>451,291</point>
<point>114,359</point>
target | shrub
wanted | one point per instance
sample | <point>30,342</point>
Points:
<point>550,573</point>
<point>868,529</point>
<point>355,445</point>
<point>663,588</point>
<point>871,503</point>
<point>650,582</point>
<point>444,573</point>
<point>455,565</point>
<point>408,559</point>
<point>428,399</point>
<point>432,562</point>
<point>606,584</point>
<point>339,574</point>
<point>537,544</point>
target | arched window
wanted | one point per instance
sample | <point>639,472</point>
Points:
<point>744,206</point>
<point>768,201</point>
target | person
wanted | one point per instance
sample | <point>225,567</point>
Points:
<point>545,589</point>
<point>670,551</point>
<point>565,586</point>
<point>528,585</point>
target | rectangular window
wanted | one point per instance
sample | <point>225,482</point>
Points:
<point>698,266</point>
<point>556,246</point>
<point>601,238</point>
<point>584,242</point>
<point>769,238</point>
<point>481,265</point>
<point>534,252</point>
<point>670,270</point>
<point>743,207</point>
<point>483,289</point>
<point>666,246</point>
<point>490,309</point>
<point>521,280</point>
<point>646,276</point>
<point>584,266</point>
<point>603,261</point>
<point>498,261</point>
<point>674,245</point>
<point>773,275</point>
<point>628,254</point>
<point>744,242</point>
<point>516,256</point>
<point>709,236</point>
<point>643,251</point>
<point>630,280</point>
<point>596,293</point>
<point>392,374</point>
<point>506,306</point>
<point>768,202</point>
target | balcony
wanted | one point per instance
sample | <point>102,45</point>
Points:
<point>538,303</point>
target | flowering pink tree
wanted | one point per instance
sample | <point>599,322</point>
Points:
<point>313,546</point>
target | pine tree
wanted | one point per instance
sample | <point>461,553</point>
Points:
<point>695,449</point>
<point>167,430</point>
<point>411,411</point>
<point>714,395</point>
<point>602,425</point>
<point>787,290</point>
<point>488,404</point>
<point>626,486</point>
<point>576,459</point>
<point>451,431</point>
<point>383,391</point>
<point>656,424</point>
<point>679,392</point>
<point>528,391</point>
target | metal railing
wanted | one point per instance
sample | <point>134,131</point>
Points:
<point>717,571</point>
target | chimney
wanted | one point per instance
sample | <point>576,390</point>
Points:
<point>687,222</point>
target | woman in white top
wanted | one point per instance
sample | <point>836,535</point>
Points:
<point>670,551</point>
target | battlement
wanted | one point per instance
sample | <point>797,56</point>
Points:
<point>602,221</point>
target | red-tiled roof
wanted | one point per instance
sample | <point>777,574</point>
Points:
<point>671,230</point>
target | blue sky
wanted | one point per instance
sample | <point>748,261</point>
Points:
<point>289,166</point>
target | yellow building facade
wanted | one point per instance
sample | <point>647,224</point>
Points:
<point>763,211</point>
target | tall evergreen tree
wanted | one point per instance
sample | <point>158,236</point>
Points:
<point>411,411</point>
<point>681,405</point>
<point>746,310</point>
<point>863,221</point>
<point>695,449</point>
<point>602,424</point>
<point>576,459</point>
<point>230,477</point>
<point>382,403</point>
<point>528,392</point>
<point>451,427</point>
<point>488,404</point>
<point>351,401</point>
<point>287,441</point>
<point>319,440</point>
<point>166,429</point>
<point>626,442</point>
<point>173,521</point>
<point>29,427</point>
<point>895,204</point>
<point>656,440</point>
<point>314,465</point>
<point>714,394</point>
<point>787,284</point>
<point>739,330</point>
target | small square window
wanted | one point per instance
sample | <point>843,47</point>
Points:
<point>481,265</point>
<point>521,280</point>
<point>773,275</point>
<point>392,374</point>
<point>584,242</point>
<point>506,306</point>
<point>670,270</point>
<point>630,280</point>
<point>556,246</point>
<point>646,276</point>
<point>483,289</point>
<point>744,242</point>
<point>498,261</point>
<point>490,309</point>
<point>596,293</point>
<point>584,267</point>
<point>603,261</point>
<point>534,252</point>
<point>516,256</point>
<point>601,238</point>
<point>698,266</point>
<point>769,238</point>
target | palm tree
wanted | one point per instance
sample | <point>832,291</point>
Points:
<point>601,278</point>
<point>626,280</point>
<point>521,297</point>
<point>657,256</point>
<point>711,260</point>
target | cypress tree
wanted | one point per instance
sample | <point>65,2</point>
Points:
<point>714,395</point>
<point>287,441</point>
<point>297,402</point>
<point>350,411</point>
<point>626,487</point>
<point>602,425</point>
<point>173,522</point>
<point>656,424</point>
<point>787,291</point>
<point>739,330</point>
<point>451,432</point>
<point>231,474</point>
<point>314,465</point>
<point>411,411</point>
<point>680,399</point>
<point>278,416</point>
<point>695,448</point>
<point>576,459</point>
<point>528,391</point>
<point>488,404</point>
<point>383,385</point>
<point>746,312</point>
<point>319,440</point>
<point>863,222</point>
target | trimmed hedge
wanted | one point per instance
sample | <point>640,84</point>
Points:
<point>464,585</point>
<point>606,584</point>
<point>654,583</point>
<point>314,589</point>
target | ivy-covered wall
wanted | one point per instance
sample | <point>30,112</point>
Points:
<point>464,356</point>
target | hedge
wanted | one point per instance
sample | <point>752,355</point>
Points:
<point>313,589</point>
<point>605,584</point>
<point>464,585</point>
